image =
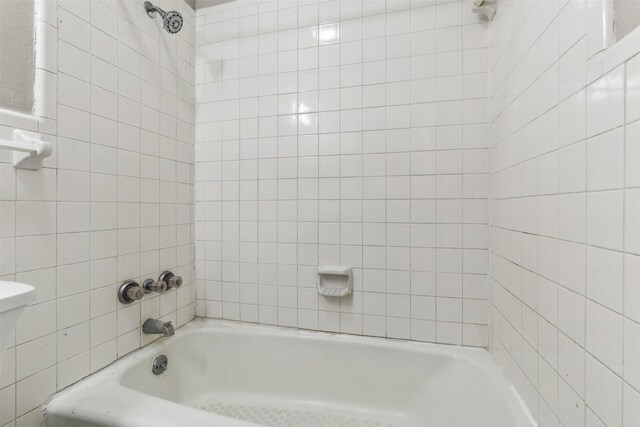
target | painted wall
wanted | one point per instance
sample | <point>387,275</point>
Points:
<point>114,201</point>
<point>344,132</point>
<point>16,55</point>
<point>565,241</point>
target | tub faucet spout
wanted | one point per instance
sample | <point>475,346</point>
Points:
<point>155,326</point>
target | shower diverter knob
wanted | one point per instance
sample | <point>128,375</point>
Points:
<point>151,285</point>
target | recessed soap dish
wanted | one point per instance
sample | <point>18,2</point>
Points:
<point>335,281</point>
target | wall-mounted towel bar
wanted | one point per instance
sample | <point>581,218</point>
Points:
<point>29,149</point>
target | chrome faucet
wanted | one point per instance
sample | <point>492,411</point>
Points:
<point>155,326</point>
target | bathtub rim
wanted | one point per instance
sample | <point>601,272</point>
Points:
<point>112,374</point>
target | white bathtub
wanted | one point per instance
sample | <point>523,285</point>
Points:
<point>229,374</point>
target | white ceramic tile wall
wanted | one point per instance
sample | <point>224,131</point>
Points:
<point>565,264</point>
<point>114,201</point>
<point>344,132</point>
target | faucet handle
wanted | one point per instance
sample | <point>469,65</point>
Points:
<point>170,279</point>
<point>135,292</point>
<point>130,291</point>
<point>175,282</point>
<point>151,285</point>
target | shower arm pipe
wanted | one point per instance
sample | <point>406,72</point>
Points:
<point>152,9</point>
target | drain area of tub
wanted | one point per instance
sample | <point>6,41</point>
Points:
<point>281,413</point>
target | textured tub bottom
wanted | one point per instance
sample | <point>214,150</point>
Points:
<point>282,413</point>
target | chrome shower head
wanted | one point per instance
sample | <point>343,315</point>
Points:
<point>171,21</point>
